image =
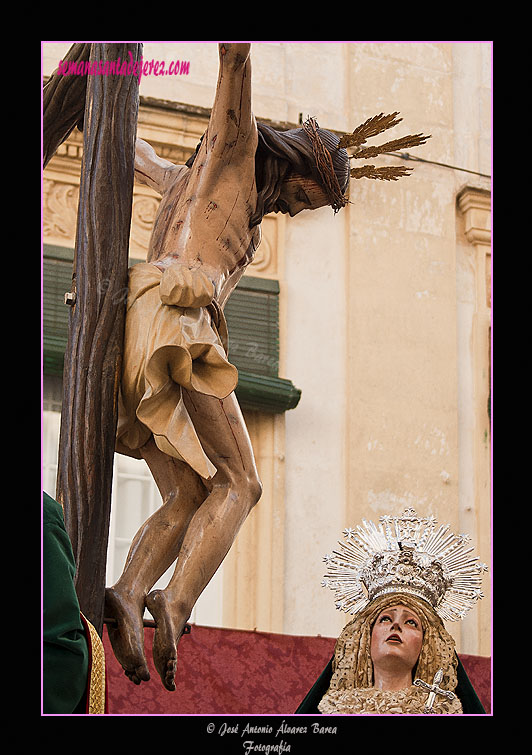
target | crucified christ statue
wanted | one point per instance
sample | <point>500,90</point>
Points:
<point>177,407</point>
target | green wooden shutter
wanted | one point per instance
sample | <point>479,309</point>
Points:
<point>252,314</point>
<point>56,281</point>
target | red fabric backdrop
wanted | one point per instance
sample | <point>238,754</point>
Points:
<point>228,671</point>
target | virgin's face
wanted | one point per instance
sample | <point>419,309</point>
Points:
<point>396,638</point>
<point>300,193</point>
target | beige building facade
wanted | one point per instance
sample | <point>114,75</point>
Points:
<point>384,317</point>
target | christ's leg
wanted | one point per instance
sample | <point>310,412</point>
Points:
<point>235,489</point>
<point>152,552</point>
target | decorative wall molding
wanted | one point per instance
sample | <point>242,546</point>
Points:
<point>475,205</point>
<point>60,208</point>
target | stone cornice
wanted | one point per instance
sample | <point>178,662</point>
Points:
<point>475,205</point>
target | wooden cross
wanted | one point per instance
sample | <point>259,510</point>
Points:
<point>434,690</point>
<point>108,107</point>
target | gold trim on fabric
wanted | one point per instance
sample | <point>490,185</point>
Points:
<point>96,690</point>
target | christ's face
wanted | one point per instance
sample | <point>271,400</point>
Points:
<point>300,193</point>
<point>396,638</point>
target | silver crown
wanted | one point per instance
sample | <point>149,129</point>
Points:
<point>405,554</point>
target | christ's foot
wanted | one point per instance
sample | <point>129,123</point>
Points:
<point>127,635</point>
<point>167,633</point>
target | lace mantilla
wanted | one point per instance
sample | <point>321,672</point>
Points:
<point>371,701</point>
